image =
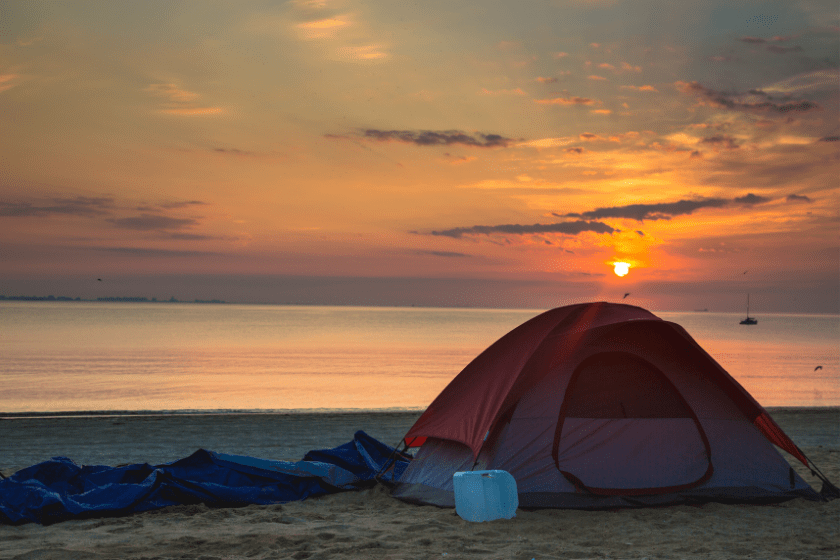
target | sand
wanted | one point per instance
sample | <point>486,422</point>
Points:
<point>371,524</point>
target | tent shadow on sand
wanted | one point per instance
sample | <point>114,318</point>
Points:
<point>603,405</point>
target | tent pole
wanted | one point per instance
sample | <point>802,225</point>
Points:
<point>829,491</point>
<point>391,460</point>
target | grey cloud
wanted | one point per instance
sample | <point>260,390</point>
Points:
<point>751,198</point>
<point>721,140</point>
<point>234,151</point>
<point>568,228</point>
<point>182,204</point>
<point>438,138</point>
<point>659,211</point>
<point>830,139</point>
<point>798,198</point>
<point>190,236</point>
<point>733,100</point>
<point>78,206</point>
<point>150,222</point>
<point>760,41</point>
<point>144,252</point>
<point>168,205</point>
<point>783,50</point>
<point>443,253</point>
<point>662,210</point>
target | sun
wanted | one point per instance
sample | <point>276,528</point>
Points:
<point>621,268</point>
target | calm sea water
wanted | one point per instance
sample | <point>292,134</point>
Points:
<point>80,356</point>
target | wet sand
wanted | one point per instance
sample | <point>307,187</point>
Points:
<point>371,524</point>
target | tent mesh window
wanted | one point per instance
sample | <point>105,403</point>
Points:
<point>620,385</point>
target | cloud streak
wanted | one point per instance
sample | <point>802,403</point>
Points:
<point>8,81</point>
<point>771,47</point>
<point>641,88</point>
<point>447,254</point>
<point>567,101</point>
<point>751,199</point>
<point>146,252</point>
<point>179,101</point>
<point>438,138</point>
<point>818,80</point>
<point>663,210</point>
<point>78,206</point>
<point>721,141</point>
<point>755,101</point>
<point>152,222</point>
<point>567,228</point>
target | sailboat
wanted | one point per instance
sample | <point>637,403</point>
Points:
<point>749,320</point>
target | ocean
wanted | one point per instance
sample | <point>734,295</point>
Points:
<point>115,383</point>
<point>78,357</point>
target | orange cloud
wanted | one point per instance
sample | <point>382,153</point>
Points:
<point>363,53</point>
<point>548,142</point>
<point>172,92</point>
<point>322,28</point>
<point>567,101</point>
<point>180,101</point>
<point>594,77</point>
<point>8,81</point>
<point>590,137</point>
<point>641,88</point>
<point>193,111</point>
<point>516,91</point>
<point>460,160</point>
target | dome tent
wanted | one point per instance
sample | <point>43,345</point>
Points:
<point>601,405</point>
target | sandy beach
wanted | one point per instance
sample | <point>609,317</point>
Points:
<point>371,524</point>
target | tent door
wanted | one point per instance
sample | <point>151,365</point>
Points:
<point>624,429</point>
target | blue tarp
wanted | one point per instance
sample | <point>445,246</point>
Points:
<point>59,489</point>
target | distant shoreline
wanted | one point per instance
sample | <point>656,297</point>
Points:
<point>211,412</point>
<point>127,299</point>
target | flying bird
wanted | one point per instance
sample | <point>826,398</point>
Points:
<point>99,279</point>
<point>625,295</point>
<point>818,367</point>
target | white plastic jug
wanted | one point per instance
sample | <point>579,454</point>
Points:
<point>485,495</point>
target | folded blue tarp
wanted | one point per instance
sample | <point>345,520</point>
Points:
<point>59,489</point>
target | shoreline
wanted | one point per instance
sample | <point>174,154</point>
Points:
<point>286,412</point>
<point>144,437</point>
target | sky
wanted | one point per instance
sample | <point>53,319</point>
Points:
<point>435,153</point>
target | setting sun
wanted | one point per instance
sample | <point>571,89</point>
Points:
<point>621,268</point>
